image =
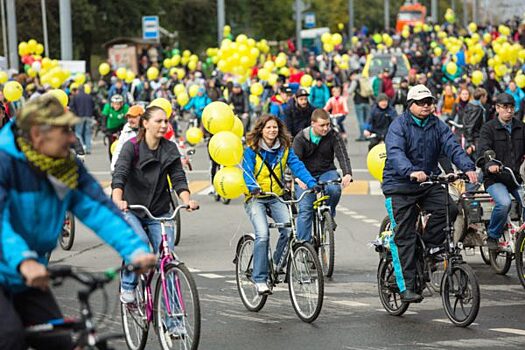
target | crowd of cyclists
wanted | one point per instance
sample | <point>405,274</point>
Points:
<point>302,128</point>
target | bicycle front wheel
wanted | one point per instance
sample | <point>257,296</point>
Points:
<point>243,274</point>
<point>327,244</point>
<point>389,293</point>
<point>134,320</point>
<point>305,282</point>
<point>485,254</point>
<point>67,236</point>
<point>460,295</point>
<point>177,309</point>
<point>520,258</point>
<point>500,261</point>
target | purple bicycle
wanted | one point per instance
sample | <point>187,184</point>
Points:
<point>174,310</point>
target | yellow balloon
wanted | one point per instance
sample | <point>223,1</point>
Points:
<point>375,161</point>
<point>87,89</point>
<point>13,91</point>
<point>103,69</point>
<point>438,51</point>
<point>130,76</point>
<point>273,79</point>
<point>183,99</point>
<point>152,73</point>
<point>280,61</point>
<point>263,74</point>
<point>194,135</point>
<point>122,73</point>
<point>162,103</point>
<point>217,116</point>
<point>256,89</point>
<point>229,183</point>
<point>238,128</point>
<point>326,38</point>
<point>46,63</point>
<point>179,89</point>
<point>254,100</point>
<point>284,71</point>
<point>39,49</point>
<point>55,82</point>
<point>337,39</point>
<point>80,78</point>
<point>500,70</point>
<point>113,147</point>
<point>31,45</point>
<point>520,80</point>
<point>181,73</point>
<point>31,72</point>
<point>194,89</point>
<point>306,80</point>
<point>328,47</point>
<point>473,27</point>
<point>175,60</point>
<point>73,86</point>
<point>451,68</point>
<point>167,63</point>
<point>477,77</point>
<point>269,65</point>
<point>192,65</point>
<point>3,77</point>
<point>59,95</point>
<point>226,148</point>
<point>23,49</point>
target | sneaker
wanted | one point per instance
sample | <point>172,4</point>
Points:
<point>127,296</point>
<point>409,296</point>
<point>492,243</point>
<point>262,288</point>
<point>177,330</point>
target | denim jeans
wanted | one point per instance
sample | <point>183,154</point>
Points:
<point>339,121</point>
<point>256,210</point>
<point>150,231</point>
<point>83,132</point>
<point>306,212</point>
<point>362,112</point>
<point>501,195</point>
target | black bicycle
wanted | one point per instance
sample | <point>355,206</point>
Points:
<point>450,275</point>
<point>82,330</point>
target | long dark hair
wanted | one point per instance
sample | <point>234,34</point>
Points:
<point>254,136</point>
<point>148,113</point>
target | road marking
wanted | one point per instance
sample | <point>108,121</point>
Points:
<point>509,330</point>
<point>370,221</point>
<point>375,188</point>
<point>192,270</point>
<point>247,318</point>
<point>348,303</point>
<point>359,217</point>
<point>446,320</point>
<point>197,186</point>
<point>357,187</point>
<point>210,275</point>
<point>377,225</point>
<point>406,312</point>
<point>206,191</point>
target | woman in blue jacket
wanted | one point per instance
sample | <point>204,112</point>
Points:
<point>268,144</point>
<point>198,103</point>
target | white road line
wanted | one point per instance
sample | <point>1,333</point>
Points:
<point>406,312</point>
<point>509,330</point>
<point>206,191</point>
<point>359,217</point>
<point>232,281</point>
<point>348,303</point>
<point>351,212</point>
<point>375,188</point>
<point>446,320</point>
<point>370,221</point>
<point>192,270</point>
<point>210,275</point>
<point>247,318</point>
<point>377,225</point>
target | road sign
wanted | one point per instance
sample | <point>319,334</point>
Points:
<point>150,28</point>
<point>309,20</point>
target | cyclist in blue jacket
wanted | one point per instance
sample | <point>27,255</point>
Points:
<point>39,181</point>
<point>414,143</point>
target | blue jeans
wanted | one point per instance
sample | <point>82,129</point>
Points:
<point>83,132</point>
<point>339,121</point>
<point>362,112</point>
<point>501,195</point>
<point>150,231</point>
<point>306,212</point>
<point>256,210</point>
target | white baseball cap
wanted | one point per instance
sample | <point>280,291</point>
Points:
<point>419,92</point>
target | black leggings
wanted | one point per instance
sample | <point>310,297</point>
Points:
<point>30,307</point>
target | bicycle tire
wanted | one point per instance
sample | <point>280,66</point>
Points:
<point>389,293</point>
<point>326,239</point>
<point>520,256</point>
<point>485,254</point>
<point>243,276</point>
<point>500,267</point>
<point>385,224</point>
<point>458,286</point>
<point>304,269</point>
<point>136,315</point>
<point>67,235</point>
<point>190,337</point>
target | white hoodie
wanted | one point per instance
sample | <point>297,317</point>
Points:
<point>126,134</point>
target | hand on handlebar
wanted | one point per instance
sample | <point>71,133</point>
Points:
<point>35,274</point>
<point>345,181</point>
<point>193,205</point>
<point>122,205</point>
<point>144,262</point>
<point>494,169</point>
<point>472,177</point>
<point>418,176</point>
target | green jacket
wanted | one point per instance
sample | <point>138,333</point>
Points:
<point>115,119</point>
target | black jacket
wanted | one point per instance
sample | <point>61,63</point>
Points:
<point>319,159</point>
<point>473,119</point>
<point>144,180</point>
<point>509,149</point>
<point>297,118</point>
<point>83,105</point>
<point>240,103</point>
<point>380,120</point>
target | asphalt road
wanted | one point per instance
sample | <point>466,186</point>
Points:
<point>352,316</point>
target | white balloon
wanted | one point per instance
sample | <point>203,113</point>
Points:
<point>36,66</point>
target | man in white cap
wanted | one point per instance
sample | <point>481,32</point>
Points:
<point>414,143</point>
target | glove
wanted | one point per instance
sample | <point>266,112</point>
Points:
<point>317,189</point>
<point>256,191</point>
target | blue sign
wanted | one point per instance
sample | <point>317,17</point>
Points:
<point>150,28</point>
<point>309,20</point>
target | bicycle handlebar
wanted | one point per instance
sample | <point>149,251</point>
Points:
<point>441,179</point>
<point>89,279</point>
<point>148,213</point>
<point>291,201</point>
<point>509,170</point>
<point>330,182</point>
<point>456,125</point>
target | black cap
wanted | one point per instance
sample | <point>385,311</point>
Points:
<point>287,89</point>
<point>505,99</point>
<point>302,92</point>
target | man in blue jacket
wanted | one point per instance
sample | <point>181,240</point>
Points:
<point>414,143</point>
<point>39,181</point>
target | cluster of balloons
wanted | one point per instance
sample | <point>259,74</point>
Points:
<point>450,16</point>
<point>331,41</point>
<point>225,148</point>
<point>382,40</point>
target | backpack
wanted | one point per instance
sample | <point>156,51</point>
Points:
<point>365,88</point>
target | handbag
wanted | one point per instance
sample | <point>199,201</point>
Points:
<point>287,194</point>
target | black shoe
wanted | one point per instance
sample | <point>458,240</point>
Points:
<point>409,296</point>
<point>492,243</point>
<point>334,224</point>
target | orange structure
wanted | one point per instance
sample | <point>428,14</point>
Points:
<point>410,14</point>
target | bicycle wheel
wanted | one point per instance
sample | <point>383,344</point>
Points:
<point>460,295</point>
<point>67,236</point>
<point>305,282</point>
<point>134,320</point>
<point>485,254</point>
<point>177,309</point>
<point>385,224</point>
<point>326,248</point>
<point>388,290</point>
<point>243,275</point>
<point>520,258</point>
<point>500,261</point>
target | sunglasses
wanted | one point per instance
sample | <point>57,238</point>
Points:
<point>425,102</point>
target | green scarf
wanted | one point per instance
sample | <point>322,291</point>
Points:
<point>63,169</point>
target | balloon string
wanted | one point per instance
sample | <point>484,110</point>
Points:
<point>249,175</point>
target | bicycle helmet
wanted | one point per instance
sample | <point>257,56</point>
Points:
<point>117,99</point>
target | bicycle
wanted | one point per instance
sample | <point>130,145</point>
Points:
<point>452,278</point>
<point>175,304</point>
<point>323,229</point>
<point>337,121</point>
<point>303,270</point>
<point>83,330</point>
<point>67,235</point>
